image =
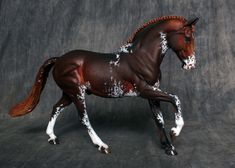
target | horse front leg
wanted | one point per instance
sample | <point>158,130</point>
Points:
<point>158,117</point>
<point>179,121</point>
<point>154,93</point>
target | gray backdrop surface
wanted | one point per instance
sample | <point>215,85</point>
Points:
<point>33,31</point>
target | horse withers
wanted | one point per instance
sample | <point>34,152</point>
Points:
<point>134,70</point>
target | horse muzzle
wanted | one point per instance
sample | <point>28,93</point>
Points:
<point>190,62</point>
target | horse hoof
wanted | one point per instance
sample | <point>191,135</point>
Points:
<point>170,151</point>
<point>53,141</point>
<point>104,150</point>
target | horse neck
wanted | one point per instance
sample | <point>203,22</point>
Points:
<point>154,44</point>
<point>152,49</point>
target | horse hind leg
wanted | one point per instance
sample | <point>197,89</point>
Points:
<point>57,108</point>
<point>79,101</point>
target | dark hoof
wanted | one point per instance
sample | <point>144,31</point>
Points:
<point>170,151</point>
<point>104,150</point>
<point>54,141</point>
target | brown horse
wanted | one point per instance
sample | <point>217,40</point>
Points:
<point>132,71</point>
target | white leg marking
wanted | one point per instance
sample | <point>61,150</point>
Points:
<point>94,137</point>
<point>179,121</point>
<point>160,118</point>
<point>85,121</point>
<point>51,124</point>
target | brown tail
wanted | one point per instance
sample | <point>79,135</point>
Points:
<point>27,105</point>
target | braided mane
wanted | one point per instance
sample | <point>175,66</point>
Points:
<point>153,21</point>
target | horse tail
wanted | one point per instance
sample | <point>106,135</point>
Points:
<point>28,104</point>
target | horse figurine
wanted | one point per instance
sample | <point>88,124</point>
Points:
<point>134,70</point>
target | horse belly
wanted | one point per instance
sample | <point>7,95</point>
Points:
<point>113,89</point>
<point>105,79</point>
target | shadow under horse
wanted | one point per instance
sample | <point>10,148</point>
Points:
<point>134,70</point>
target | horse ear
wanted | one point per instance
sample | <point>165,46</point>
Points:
<point>191,22</point>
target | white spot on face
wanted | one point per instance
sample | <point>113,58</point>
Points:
<point>179,121</point>
<point>190,62</point>
<point>163,42</point>
<point>126,48</point>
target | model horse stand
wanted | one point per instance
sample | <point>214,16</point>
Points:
<point>132,71</point>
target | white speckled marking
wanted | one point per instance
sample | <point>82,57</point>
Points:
<point>156,86</point>
<point>190,62</point>
<point>179,121</point>
<point>116,62</point>
<point>159,116</point>
<point>160,119</point>
<point>178,115</point>
<point>164,45</point>
<point>116,90</point>
<point>126,48</point>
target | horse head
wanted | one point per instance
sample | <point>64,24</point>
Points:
<point>182,43</point>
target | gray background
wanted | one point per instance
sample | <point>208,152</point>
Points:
<point>33,31</point>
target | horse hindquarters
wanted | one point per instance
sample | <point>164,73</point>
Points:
<point>69,76</point>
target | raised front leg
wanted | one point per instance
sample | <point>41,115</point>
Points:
<point>179,121</point>
<point>154,93</point>
<point>158,117</point>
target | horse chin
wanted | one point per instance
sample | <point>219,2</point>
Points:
<point>190,62</point>
<point>188,66</point>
